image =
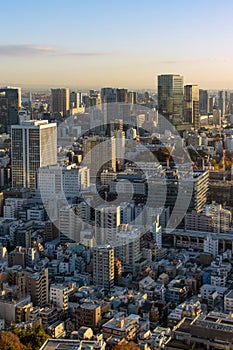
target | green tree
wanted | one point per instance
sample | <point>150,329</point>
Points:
<point>33,339</point>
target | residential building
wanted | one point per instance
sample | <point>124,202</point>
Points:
<point>89,315</point>
<point>37,287</point>
<point>228,301</point>
<point>59,295</point>
<point>103,267</point>
<point>107,221</point>
<point>121,327</point>
<point>211,245</point>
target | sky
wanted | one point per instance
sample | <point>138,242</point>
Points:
<point>123,43</point>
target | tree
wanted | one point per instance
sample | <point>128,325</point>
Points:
<point>9,341</point>
<point>33,339</point>
<point>126,346</point>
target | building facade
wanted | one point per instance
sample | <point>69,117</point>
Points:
<point>170,96</point>
<point>33,144</point>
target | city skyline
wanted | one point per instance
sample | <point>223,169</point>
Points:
<point>123,44</point>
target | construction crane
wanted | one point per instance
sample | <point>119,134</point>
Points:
<point>202,158</point>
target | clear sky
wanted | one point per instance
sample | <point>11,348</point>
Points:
<point>124,43</point>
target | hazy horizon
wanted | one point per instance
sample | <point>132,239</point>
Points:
<point>125,44</point>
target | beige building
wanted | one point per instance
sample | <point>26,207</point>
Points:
<point>89,315</point>
<point>37,287</point>
<point>121,327</point>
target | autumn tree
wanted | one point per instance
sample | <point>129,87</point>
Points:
<point>9,341</point>
<point>126,346</point>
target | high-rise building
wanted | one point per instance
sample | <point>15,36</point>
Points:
<point>33,144</point>
<point>108,95</point>
<point>212,103</point>
<point>120,145</point>
<point>10,101</point>
<point>107,221</point>
<point>203,102</point>
<point>99,153</point>
<point>170,96</point>
<point>122,95</point>
<point>109,108</point>
<point>60,101</point>
<point>117,271</point>
<point>222,102</point>
<point>231,103</point>
<point>72,219</point>
<point>128,248</point>
<point>38,287</point>
<point>222,218</point>
<point>191,105</point>
<point>75,99</point>
<point>132,97</point>
<point>103,267</point>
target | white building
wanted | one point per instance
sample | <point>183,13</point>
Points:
<point>228,301</point>
<point>127,247</point>
<point>11,207</point>
<point>59,295</point>
<point>33,144</point>
<point>222,218</point>
<point>107,221</point>
<point>211,245</point>
<point>120,145</point>
<point>218,279</point>
<point>36,213</point>
<point>127,212</point>
<point>72,219</point>
<point>66,181</point>
<point>157,231</point>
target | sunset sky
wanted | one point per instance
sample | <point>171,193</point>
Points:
<point>124,43</point>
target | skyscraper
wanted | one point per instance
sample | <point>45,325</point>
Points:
<point>60,101</point>
<point>222,102</point>
<point>109,108</point>
<point>231,103</point>
<point>10,100</point>
<point>108,95</point>
<point>122,95</point>
<point>132,97</point>
<point>170,96</point>
<point>75,99</point>
<point>33,144</point>
<point>191,104</point>
<point>203,102</point>
<point>103,267</point>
